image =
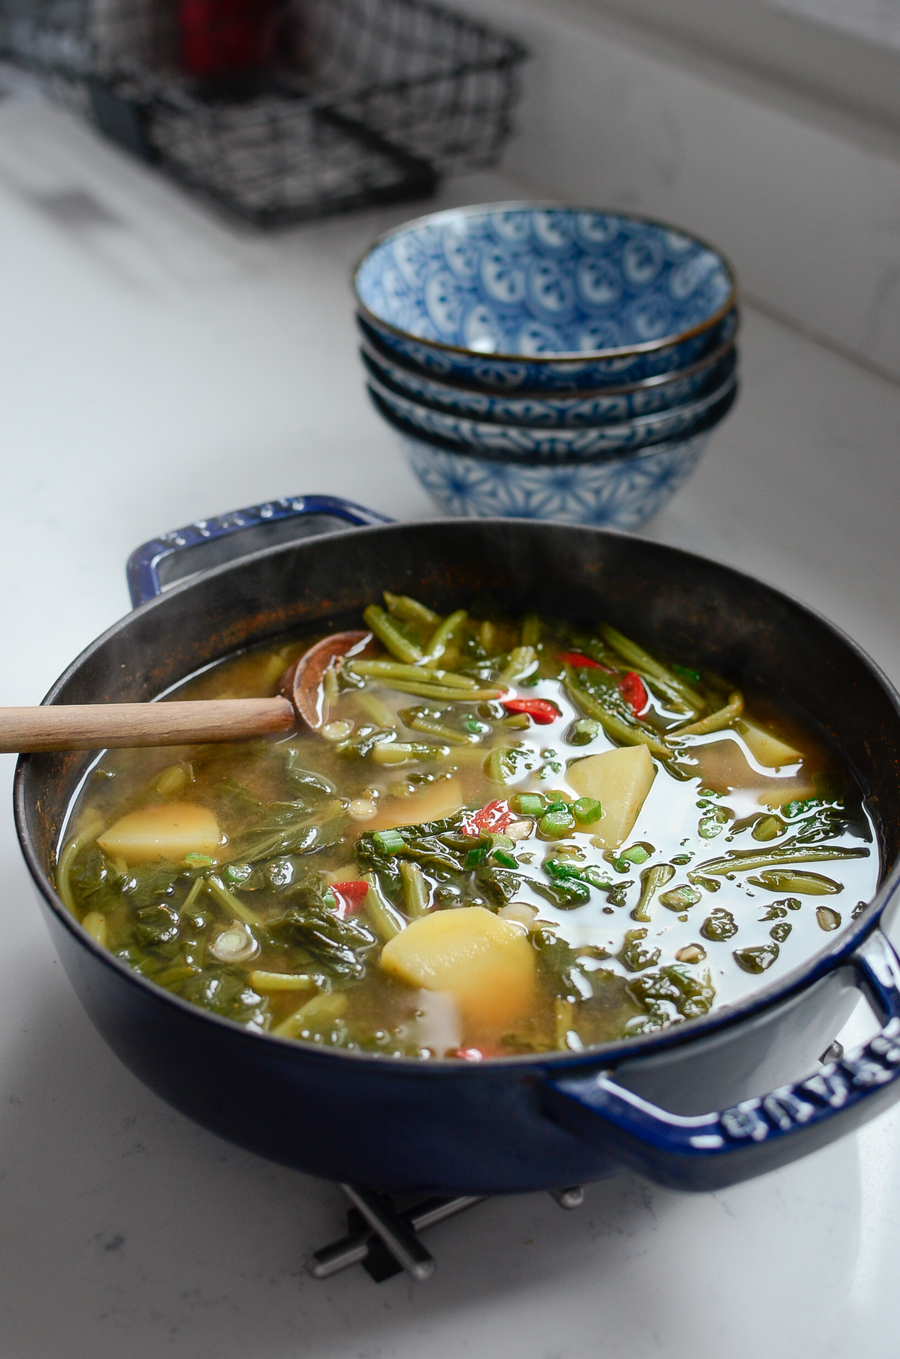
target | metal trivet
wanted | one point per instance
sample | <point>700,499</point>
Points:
<point>385,1240</point>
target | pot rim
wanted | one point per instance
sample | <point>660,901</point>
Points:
<point>568,357</point>
<point>828,959</point>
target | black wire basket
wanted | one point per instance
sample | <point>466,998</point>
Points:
<point>280,111</point>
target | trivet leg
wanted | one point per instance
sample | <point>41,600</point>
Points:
<point>396,1234</point>
<point>572,1197</point>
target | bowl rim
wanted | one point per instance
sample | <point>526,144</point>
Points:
<point>370,346</point>
<point>563,356</point>
<point>447,444</point>
<point>692,410</point>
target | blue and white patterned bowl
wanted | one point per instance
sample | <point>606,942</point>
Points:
<point>548,410</point>
<point>545,297</point>
<point>619,494</point>
<point>485,439</point>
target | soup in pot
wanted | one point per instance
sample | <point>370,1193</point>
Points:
<point>507,836</point>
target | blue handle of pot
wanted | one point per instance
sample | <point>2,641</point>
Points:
<point>143,569</point>
<point>709,1151</point>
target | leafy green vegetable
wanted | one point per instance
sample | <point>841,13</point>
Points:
<point>339,946</point>
<point>719,925</point>
<point>757,959</point>
<point>226,992</point>
<point>689,996</point>
<point>634,955</point>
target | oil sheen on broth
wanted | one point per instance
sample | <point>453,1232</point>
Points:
<point>508,836</point>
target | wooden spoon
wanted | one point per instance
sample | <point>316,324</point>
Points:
<point>96,726</point>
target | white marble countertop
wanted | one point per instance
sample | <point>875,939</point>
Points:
<point>157,367</point>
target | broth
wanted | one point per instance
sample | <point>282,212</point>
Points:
<point>639,844</point>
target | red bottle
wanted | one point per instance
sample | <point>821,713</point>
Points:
<point>219,37</point>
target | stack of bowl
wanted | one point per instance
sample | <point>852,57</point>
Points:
<point>548,362</point>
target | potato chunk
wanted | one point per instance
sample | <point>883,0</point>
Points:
<point>437,800</point>
<point>769,750</point>
<point>620,781</point>
<point>486,964</point>
<point>166,830</point>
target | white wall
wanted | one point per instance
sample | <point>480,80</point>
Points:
<point>807,208</point>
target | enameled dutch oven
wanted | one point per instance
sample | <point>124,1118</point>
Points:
<point>697,1106</point>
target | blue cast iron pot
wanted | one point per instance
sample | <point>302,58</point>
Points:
<point>701,1105</point>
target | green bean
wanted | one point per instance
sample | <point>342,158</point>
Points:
<point>390,635</point>
<point>652,879</point>
<point>386,919</point>
<point>95,924</point>
<point>717,721</point>
<point>220,893</point>
<point>398,752</point>
<point>330,1005</point>
<point>415,889</point>
<point>521,658</point>
<point>173,779</point>
<point>281,981</point>
<point>788,880</point>
<point>531,629</point>
<point>176,974</point>
<point>330,689</point>
<point>430,726</point>
<point>197,886</point>
<point>409,610</point>
<point>91,824</point>
<point>440,638</point>
<point>446,692</point>
<point>375,708</point>
<point>637,656</point>
<point>740,859</point>
<point>388,670</point>
<point>613,725</point>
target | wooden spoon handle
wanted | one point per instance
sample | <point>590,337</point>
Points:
<point>98,725</point>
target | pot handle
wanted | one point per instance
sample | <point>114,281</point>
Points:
<point>143,565</point>
<point>710,1151</point>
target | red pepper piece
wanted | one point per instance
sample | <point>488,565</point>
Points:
<point>631,687</point>
<point>579,662</point>
<point>495,816</point>
<point>477,1054</point>
<point>540,710</point>
<point>349,897</point>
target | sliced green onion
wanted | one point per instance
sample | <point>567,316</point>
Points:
<point>504,858</point>
<point>389,841</point>
<point>555,824</point>
<point>527,804</point>
<point>587,811</point>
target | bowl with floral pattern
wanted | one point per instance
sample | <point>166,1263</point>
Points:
<point>618,493</point>
<point>543,297</point>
